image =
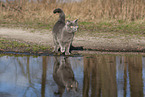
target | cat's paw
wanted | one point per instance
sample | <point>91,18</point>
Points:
<point>62,50</point>
<point>55,51</point>
<point>67,53</point>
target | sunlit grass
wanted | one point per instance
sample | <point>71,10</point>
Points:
<point>93,15</point>
<point>13,45</point>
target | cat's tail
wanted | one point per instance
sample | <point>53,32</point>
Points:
<point>61,13</point>
<point>58,10</point>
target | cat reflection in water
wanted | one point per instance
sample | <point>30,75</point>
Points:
<point>63,76</point>
<point>63,33</point>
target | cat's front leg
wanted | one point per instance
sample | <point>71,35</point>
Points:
<point>62,47</point>
<point>67,49</point>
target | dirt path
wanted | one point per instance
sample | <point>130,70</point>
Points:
<point>40,37</point>
<point>98,41</point>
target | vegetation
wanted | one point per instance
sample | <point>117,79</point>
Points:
<point>16,46</point>
<point>93,15</point>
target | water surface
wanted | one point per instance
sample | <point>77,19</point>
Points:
<point>97,75</point>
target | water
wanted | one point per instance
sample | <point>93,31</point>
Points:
<point>97,76</point>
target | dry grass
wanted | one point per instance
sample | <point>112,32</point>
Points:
<point>87,10</point>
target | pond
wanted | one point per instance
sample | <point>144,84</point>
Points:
<point>100,75</point>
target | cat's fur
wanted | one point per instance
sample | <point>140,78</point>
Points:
<point>63,33</point>
<point>63,76</point>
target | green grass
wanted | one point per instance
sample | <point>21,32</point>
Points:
<point>117,26</point>
<point>10,45</point>
<point>86,23</point>
<point>121,27</point>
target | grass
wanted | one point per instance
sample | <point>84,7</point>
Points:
<point>94,15</point>
<point>16,46</point>
<point>117,27</point>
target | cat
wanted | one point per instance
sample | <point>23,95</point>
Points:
<point>63,76</point>
<point>63,33</point>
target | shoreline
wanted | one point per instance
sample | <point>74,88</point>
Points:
<point>74,53</point>
<point>40,41</point>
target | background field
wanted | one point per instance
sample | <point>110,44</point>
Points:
<point>94,15</point>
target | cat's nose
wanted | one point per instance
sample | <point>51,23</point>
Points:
<point>75,29</point>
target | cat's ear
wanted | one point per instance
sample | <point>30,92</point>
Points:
<point>68,22</point>
<point>75,21</point>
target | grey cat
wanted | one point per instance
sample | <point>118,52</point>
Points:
<point>63,76</point>
<point>63,33</point>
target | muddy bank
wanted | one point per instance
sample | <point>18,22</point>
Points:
<point>83,41</point>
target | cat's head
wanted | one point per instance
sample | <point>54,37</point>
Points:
<point>72,85</point>
<point>72,26</point>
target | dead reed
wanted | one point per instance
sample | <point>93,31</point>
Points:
<point>88,10</point>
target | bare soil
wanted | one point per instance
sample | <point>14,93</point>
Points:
<point>94,42</point>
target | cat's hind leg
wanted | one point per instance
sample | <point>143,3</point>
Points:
<point>56,45</point>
